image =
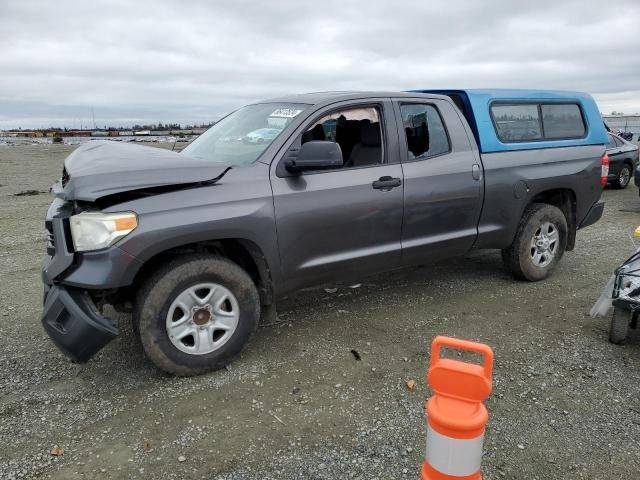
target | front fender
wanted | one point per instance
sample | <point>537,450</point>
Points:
<point>239,208</point>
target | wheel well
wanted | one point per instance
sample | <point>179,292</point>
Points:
<point>565,200</point>
<point>243,252</point>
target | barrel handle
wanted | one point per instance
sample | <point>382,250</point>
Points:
<point>459,344</point>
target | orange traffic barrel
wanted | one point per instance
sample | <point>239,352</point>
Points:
<point>456,416</point>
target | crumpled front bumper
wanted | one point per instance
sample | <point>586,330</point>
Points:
<point>74,324</point>
<point>69,315</point>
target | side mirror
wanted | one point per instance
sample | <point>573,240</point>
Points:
<point>316,155</point>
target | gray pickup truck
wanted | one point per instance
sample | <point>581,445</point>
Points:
<point>309,190</point>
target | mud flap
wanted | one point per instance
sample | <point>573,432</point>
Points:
<point>594,214</point>
<point>74,324</point>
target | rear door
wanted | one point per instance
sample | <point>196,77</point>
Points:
<point>340,225</point>
<point>443,183</point>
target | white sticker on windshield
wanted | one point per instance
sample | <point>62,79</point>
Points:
<point>285,113</point>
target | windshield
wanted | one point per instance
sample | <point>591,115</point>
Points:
<point>240,138</point>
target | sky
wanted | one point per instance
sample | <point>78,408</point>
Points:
<point>64,63</point>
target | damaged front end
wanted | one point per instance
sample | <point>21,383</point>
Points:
<point>69,315</point>
<point>80,273</point>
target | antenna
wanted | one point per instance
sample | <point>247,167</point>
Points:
<point>93,116</point>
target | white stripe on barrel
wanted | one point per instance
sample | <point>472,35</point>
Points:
<point>452,456</point>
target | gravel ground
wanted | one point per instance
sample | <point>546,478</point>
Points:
<point>297,404</point>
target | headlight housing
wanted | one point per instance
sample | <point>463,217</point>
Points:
<point>96,230</point>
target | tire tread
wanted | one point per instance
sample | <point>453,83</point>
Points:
<point>619,327</point>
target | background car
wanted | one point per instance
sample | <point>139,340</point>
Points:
<point>262,135</point>
<point>623,159</point>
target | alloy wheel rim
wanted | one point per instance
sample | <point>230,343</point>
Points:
<point>544,244</point>
<point>625,176</point>
<point>202,318</point>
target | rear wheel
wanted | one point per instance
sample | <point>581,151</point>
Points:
<point>619,328</point>
<point>539,243</point>
<point>196,313</point>
<point>624,177</point>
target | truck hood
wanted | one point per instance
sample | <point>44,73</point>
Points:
<point>102,168</point>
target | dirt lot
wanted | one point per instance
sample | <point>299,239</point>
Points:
<point>297,404</point>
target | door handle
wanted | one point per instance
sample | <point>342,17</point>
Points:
<point>386,183</point>
<point>475,171</point>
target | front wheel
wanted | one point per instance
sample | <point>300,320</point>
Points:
<point>539,243</point>
<point>196,313</point>
<point>624,177</point>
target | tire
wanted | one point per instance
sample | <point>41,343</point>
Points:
<point>233,304</point>
<point>526,261</point>
<point>624,177</point>
<point>619,328</point>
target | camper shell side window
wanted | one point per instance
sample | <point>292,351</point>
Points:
<point>535,121</point>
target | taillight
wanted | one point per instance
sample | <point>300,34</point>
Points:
<point>604,170</point>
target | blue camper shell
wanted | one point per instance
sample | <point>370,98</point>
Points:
<point>475,104</point>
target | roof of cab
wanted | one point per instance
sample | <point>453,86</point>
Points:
<point>477,102</point>
<point>316,98</point>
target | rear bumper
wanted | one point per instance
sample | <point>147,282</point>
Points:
<point>73,322</point>
<point>593,215</point>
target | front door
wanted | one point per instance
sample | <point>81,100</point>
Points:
<point>339,225</point>
<point>443,183</point>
